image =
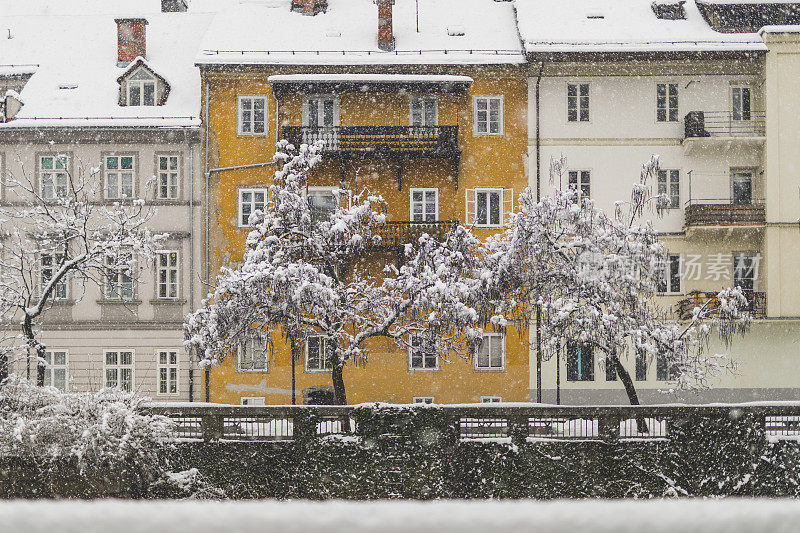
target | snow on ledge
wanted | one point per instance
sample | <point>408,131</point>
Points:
<point>368,78</point>
<point>786,28</point>
<point>473,516</point>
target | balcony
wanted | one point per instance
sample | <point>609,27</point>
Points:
<point>395,235</point>
<point>756,303</point>
<point>723,212</point>
<point>379,141</point>
<point>713,128</point>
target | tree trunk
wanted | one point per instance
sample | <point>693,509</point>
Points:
<point>3,368</point>
<point>36,347</point>
<point>339,393</point>
<point>630,390</point>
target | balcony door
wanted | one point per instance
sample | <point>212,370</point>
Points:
<point>424,112</point>
<point>745,270</point>
<point>741,103</point>
<point>742,187</point>
<point>320,119</point>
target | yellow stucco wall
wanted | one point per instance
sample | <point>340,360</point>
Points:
<point>486,161</point>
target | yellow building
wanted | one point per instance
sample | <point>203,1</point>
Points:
<point>429,114</point>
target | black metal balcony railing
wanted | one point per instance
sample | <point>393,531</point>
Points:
<point>724,124</point>
<point>379,140</point>
<point>756,303</point>
<point>724,212</point>
<point>399,233</point>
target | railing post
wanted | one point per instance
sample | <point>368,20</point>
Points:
<point>212,427</point>
<point>304,426</point>
<point>608,427</point>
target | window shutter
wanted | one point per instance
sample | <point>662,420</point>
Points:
<point>508,205</point>
<point>470,206</point>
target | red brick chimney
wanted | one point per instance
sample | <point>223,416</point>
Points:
<point>308,7</point>
<point>385,34</point>
<point>131,40</point>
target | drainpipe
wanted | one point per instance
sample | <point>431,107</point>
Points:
<point>191,257</point>
<point>538,197</point>
<point>206,216</point>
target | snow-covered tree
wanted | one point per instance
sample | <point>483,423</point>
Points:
<point>304,276</point>
<point>57,230</point>
<point>592,278</point>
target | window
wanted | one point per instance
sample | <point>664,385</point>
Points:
<point>669,184</point>
<point>119,177</point>
<point>488,115</point>
<point>55,373</point>
<point>119,369</point>
<point>740,101</point>
<point>427,400</point>
<point>318,354</point>
<point>141,89</point>
<point>578,102</point>
<point>491,399</point>
<point>119,278</point>
<point>168,372</point>
<point>167,274</point>
<point>669,274</point>
<point>489,207</point>
<point>253,400</point>
<point>322,201</point>
<point>667,102</point>
<point>641,365</point>
<point>48,266</point>
<point>666,370</point>
<point>252,115</point>
<point>424,205</point>
<point>745,270</point>
<point>321,111</point>
<point>424,112</point>
<point>490,352</point>
<point>252,355</point>
<point>54,178</point>
<point>250,201</point>
<point>168,177</point>
<point>742,187</point>
<point>580,362</point>
<point>422,355</point>
<point>580,180</point>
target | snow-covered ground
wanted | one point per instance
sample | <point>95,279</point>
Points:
<point>673,516</point>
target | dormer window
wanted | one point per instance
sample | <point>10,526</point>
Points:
<point>141,89</point>
<point>141,86</point>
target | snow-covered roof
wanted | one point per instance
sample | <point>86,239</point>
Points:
<point>335,82</point>
<point>70,46</point>
<point>267,32</point>
<point>621,26</point>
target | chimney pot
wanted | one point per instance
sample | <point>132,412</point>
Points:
<point>385,32</point>
<point>131,39</point>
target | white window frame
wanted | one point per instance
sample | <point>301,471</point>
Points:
<point>58,177</point>
<point>424,400</point>
<point>137,87</point>
<point>579,174</point>
<point>412,203</point>
<point>491,399</point>
<point>578,98</point>
<point>319,98</point>
<point>51,367</point>
<point>325,364</point>
<point>240,201</point>
<point>423,368</point>
<point>253,401</point>
<point>672,176</point>
<point>166,177</point>
<point>168,283</point>
<point>54,257</point>
<point>413,100</point>
<point>119,173</point>
<point>114,285</point>
<point>474,201</point>
<point>666,107</point>
<point>740,86</point>
<point>250,340</point>
<point>252,122</point>
<point>168,368</point>
<point>665,275</point>
<point>476,111</point>
<point>493,337</point>
<point>119,367</point>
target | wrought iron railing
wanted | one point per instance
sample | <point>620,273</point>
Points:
<point>378,140</point>
<point>399,233</point>
<point>724,212</point>
<point>756,303</point>
<point>478,422</point>
<point>724,124</point>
